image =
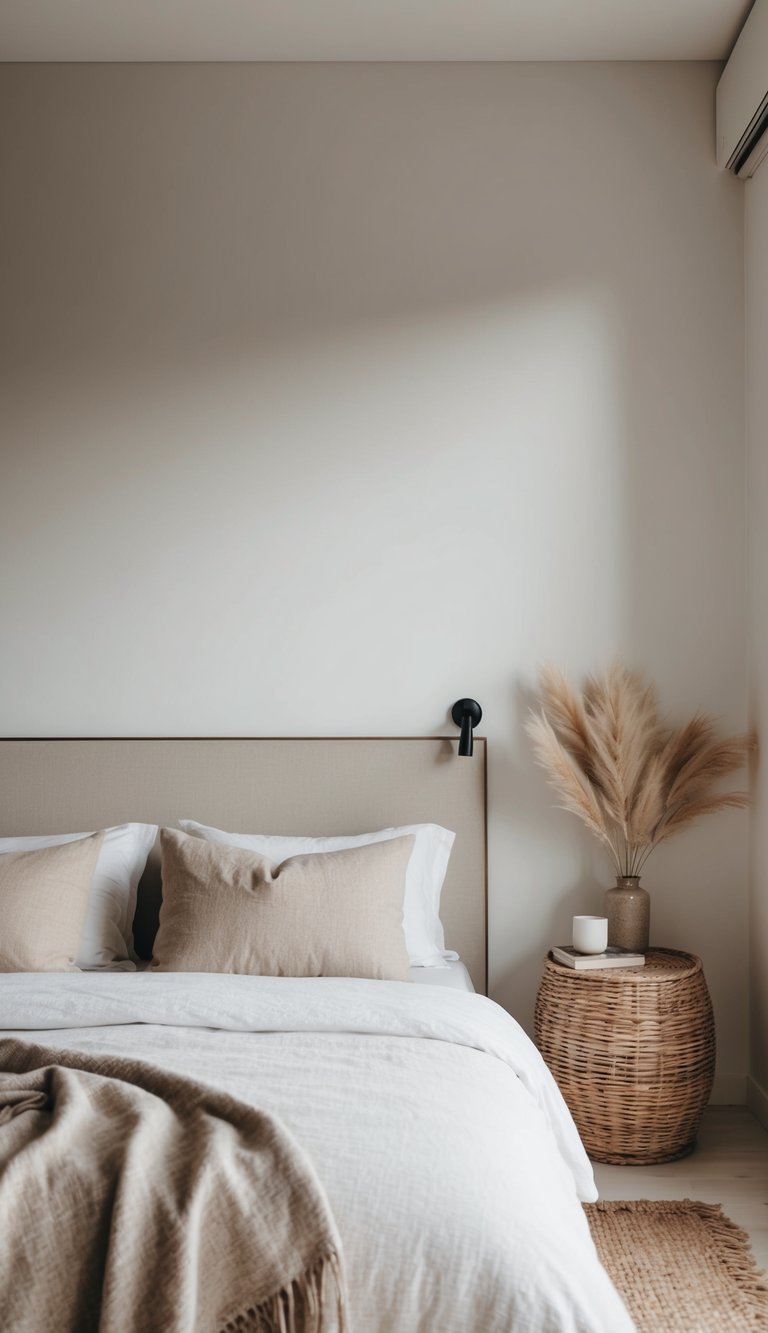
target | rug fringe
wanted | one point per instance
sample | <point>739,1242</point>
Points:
<point>735,1251</point>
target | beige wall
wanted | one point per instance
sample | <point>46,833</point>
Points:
<point>756,270</point>
<point>332,393</point>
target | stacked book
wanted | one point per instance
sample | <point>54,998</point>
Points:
<point>611,958</point>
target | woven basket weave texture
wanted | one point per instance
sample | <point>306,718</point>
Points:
<point>633,1053</point>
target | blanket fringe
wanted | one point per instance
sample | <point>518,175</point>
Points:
<point>302,1306</point>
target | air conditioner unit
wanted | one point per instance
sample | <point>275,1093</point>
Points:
<point>742,98</point>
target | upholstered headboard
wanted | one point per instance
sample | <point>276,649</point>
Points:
<point>292,785</point>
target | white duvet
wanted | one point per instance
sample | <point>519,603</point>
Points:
<point>450,1161</point>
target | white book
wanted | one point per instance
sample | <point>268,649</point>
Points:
<point>583,961</point>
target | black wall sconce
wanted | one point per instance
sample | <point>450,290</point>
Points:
<point>466,713</point>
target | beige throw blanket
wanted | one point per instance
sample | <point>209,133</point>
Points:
<point>136,1201</point>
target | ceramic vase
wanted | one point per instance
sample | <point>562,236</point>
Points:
<point>628,909</point>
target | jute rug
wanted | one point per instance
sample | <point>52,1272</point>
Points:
<point>681,1267</point>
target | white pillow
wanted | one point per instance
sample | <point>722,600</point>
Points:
<point>424,877</point>
<point>107,939</point>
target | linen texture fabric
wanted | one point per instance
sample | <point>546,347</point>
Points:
<point>424,878</point>
<point>136,1201</point>
<point>43,903</point>
<point>326,914</point>
<point>451,1163</point>
<point>107,938</point>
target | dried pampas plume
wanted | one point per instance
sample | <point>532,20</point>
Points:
<point>633,780</point>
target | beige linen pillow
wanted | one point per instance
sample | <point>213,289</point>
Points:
<point>43,903</point>
<point>332,914</point>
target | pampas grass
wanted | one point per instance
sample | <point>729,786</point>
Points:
<point>615,763</point>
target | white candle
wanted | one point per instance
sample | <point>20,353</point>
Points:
<point>590,934</point>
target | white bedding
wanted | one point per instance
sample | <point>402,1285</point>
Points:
<point>453,974</point>
<point>449,1159</point>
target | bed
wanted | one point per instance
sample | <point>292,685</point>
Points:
<point>450,1163</point>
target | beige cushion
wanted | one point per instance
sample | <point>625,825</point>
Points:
<point>337,914</point>
<point>43,901</point>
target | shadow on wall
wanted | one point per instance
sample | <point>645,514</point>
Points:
<point>195,213</point>
<point>333,393</point>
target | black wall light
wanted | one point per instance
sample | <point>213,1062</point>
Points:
<point>466,713</point>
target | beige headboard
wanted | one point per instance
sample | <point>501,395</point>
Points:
<point>267,785</point>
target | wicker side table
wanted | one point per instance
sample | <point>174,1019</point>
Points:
<point>633,1053</point>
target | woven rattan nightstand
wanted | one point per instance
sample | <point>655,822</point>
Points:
<point>633,1053</point>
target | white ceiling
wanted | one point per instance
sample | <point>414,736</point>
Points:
<point>369,29</point>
